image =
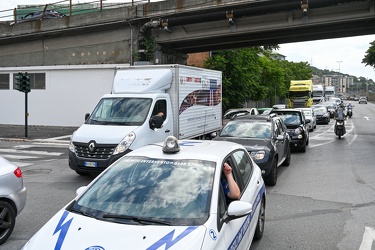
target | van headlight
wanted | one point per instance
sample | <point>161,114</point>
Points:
<point>124,143</point>
<point>71,146</point>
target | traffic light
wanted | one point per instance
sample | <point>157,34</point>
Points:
<point>18,80</point>
<point>25,83</point>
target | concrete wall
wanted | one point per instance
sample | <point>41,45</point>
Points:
<point>71,92</point>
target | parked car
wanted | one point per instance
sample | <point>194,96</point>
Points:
<point>362,99</point>
<point>12,197</point>
<point>39,15</point>
<point>232,113</point>
<point>264,111</point>
<point>323,116</point>
<point>310,114</point>
<point>296,123</point>
<point>265,138</point>
<point>164,195</point>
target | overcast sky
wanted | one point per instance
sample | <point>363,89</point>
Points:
<point>342,54</point>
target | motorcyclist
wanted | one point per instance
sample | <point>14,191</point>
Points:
<point>340,116</point>
<point>343,106</point>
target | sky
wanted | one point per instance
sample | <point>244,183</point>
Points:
<point>342,54</point>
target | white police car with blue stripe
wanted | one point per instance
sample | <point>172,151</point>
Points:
<point>164,196</point>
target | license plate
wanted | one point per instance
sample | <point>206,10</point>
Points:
<point>90,164</point>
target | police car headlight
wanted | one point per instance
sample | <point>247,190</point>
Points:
<point>125,143</point>
<point>258,155</point>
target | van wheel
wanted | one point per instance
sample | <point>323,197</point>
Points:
<point>261,219</point>
<point>271,179</point>
<point>7,220</point>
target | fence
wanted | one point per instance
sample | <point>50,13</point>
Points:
<point>67,7</point>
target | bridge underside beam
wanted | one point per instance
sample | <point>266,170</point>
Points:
<point>268,29</point>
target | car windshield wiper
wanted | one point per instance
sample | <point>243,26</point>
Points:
<point>79,211</point>
<point>136,219</point>
<point>93,121</point>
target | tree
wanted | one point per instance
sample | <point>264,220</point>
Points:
<point>369,58</point>
<point>254,74</point>
<point>241,73</point>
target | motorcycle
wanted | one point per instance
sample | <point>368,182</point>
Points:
<point>349,113</point>
<point>340,127</point>
<point>340,122</point>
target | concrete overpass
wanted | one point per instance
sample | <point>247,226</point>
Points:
<point>165,32</point>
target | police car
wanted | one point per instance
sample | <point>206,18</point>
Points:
<point>163,196</point>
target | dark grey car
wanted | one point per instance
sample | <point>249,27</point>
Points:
<point>265,138</point>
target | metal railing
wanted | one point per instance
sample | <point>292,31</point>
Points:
<point>66,7</point>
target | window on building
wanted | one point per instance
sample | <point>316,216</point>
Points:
<point>4,81</point>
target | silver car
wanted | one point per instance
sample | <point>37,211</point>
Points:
<point>310,114</point>
<point>12,197</point>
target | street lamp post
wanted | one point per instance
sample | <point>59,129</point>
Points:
<point>339,62</point>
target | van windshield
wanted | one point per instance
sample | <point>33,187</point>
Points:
<point>120,111</point>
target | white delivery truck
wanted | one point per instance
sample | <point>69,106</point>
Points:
<point>318,93</point>
<point>329,92</point>
<point>187,99</point>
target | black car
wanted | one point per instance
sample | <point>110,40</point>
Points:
<point>323,116</point>
<point>296,123</point>
<point>265,138</point>
<point>40,15</point>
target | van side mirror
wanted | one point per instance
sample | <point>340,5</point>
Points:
<point>87,115</point>
<point>156,121</point>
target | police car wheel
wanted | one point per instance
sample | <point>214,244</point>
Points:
<point>261,219</point>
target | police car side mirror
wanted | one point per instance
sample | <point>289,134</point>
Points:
<point>237,209</point>
<point>80,190</point>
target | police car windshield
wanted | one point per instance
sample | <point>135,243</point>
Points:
<point>177,192</point>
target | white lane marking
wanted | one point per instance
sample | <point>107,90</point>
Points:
<point>21,164</point>
<point>368,238</point>
<point>352,140</point>
<point>60,143</point>
<point>19,157</point>
<point>30,152</point>
<point>349,129</point>
<point>366,118</point>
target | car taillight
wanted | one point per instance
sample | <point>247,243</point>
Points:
<point>18,172</point>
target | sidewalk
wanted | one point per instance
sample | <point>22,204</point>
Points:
<point>36,133</point>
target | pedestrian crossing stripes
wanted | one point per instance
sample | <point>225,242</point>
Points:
<point>22,156</point>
